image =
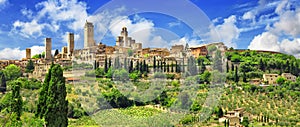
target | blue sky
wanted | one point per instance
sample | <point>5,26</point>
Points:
<point>248,24</point>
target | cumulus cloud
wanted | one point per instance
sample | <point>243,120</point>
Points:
<point>249,15</point>
<point>17,53</point>
<point>28,29</point>
<point>266,41</point>
<point>285,25</point>
<point>27,12</point>
<point>50,15</point>
<point>228,32</point>
<point>12,54</point>
<point>289,22</point>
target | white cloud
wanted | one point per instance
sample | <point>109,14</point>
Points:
<point>173,24</point>
<point>141,30</point>
<point>291,47</point>
<point>266,41</point>
<point>12,54</point>
<point>285,25</point>
<point>3,2</point>
<point>28,29</point>
<point>184,40</point>
<point>37,50</point>
<point>64,10</point>
<point>289,23</point>
<point>17,53</point>
<point>27,12</point>
<point>228,32</point>
<point>51,15</point>
<point>249,15</point>
<point>270,42</point>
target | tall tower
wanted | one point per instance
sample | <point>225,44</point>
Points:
<point>28,53</point>
<point>124,34</point>
<point>88,35</point>
<point>48,47</point>
<point>70,44</point>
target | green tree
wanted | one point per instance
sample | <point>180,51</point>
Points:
<point>245,122</point>
<point>16,100</point>
<point>109,73</point>
<point>236,76</point>
<point>12,72</point>
<point>36,56</point>
<point>129,52</point>
<point>52,103</point>
<point>56,52</point>
<point>43,55</point>
<point>154,63</point>
<point>280,80</point>
<point>2,82</point>
<point>134,76</point>
<point>217,61</point>
<point>131,66</point>
<point>262,65</point>
<point>105,65</point>
<point>99,72</point>
<point>30,66</point>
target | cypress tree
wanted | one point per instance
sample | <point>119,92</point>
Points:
<point>52,105</point>
<point>144,66</point>
<point>154,63</point>
<point>172,67</point>
<point>141,67</point>
<point>125,64</point>
<point>168,68</point>
<point>227,67</point>
<point>131,66</point>
<point>158,66</point>
<point>41,104</point>
<point>105,65</point>
<point>161,65</point>
<point>109,63</point>
<point>261,65</point>
<point>16,100</point>
<point>137,66</point>
<point>2,82</point>
<point>30,66</point>
<point>165,66</point>
<point>236,76</point>
<point>56,52</point>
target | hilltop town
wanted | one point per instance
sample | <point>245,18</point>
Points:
<point>255,84</point>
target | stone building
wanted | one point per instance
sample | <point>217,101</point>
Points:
<point>270,78</point>
<point>124,41</point>
<point>289,76</point>
<point>199,51</point>
<point>28,53</point>
<point>70,44</point>
<point>88,35</point>
<point>48,48</point>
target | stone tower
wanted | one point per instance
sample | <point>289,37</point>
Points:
<point>28,53</point>
<point>70,44</point>
<point>89,35</point>
<point>124,34</point>
<point>48,47</point>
